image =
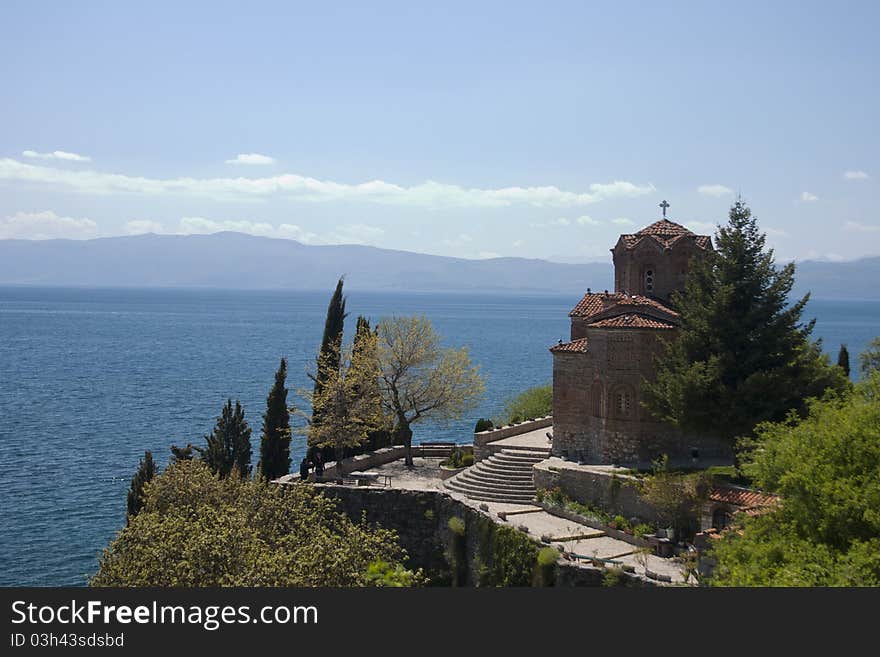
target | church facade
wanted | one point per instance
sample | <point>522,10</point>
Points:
<point>598,416</point>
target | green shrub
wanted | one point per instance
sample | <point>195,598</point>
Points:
<point>619,522</point>
<point>456,525</point>
<point>643,529</point>
<point>613,577</point>
<point>483,425</point>
<point>532,403</point>
<point>458,459</point>
<point>547,558</point>
<point>467,460</point>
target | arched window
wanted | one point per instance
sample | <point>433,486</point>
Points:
<point>649,280</point>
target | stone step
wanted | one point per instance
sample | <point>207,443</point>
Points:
<point>530,450</point>
<point>494,476</point>
<point>482,484</point>
<point>483,487</point>
<point>505,468</point>
<point>504,475</point>
<point>513,458</point>
<point>489,496</point>
<point>508,465</point>
<point>526,452</point>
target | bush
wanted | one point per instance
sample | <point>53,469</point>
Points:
<point>643,529</point>
<point>532,403</point>
<point>547,558</point>
<point>458,459</point>
<point>483,425</point>
<point>196,529</point>
<point>621,523</point>
<point>614,577</point>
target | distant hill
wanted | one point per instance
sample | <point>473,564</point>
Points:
<point>235,260</point>
<point>239,261</point>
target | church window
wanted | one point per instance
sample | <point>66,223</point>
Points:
<point>649,280</point>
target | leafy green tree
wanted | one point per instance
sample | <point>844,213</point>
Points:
<point>419,379</point>
<point>742,355</point>
<point>229,444</point>
<point>275,438</point>
<point>365,357</point>
<point>869,359</point>
<point>346,405</point>
<point>826,469</point>
<point>197,529</point>
<point>145,473</point>
<point>843,360</point>
<point>529,404</point>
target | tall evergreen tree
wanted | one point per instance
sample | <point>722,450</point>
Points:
<point>179,454</point>
<point>743,355</point>
<point>275,438</point>
<point>843,359</point>
<point>145,472</point>
<point>330,353</point>
<point>229,444</point>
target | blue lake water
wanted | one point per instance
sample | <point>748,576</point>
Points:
<point>90,378</point>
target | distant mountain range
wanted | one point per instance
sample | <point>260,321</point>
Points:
<point>239,261</point>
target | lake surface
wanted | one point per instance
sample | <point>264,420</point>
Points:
<point>90,378</point>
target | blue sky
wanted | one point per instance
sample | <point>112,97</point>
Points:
<point>472,129</point>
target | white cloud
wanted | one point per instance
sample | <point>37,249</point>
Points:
<point>142,226</point>
<point>855,175</point>
<point>428,194</point>
<point>518,243</point>
<point>488,255</point>
<point>860,227</point>
<point>808,197</point>
<point>775,232</point>
<point>585,220</point>
<point>251,159</point>
<point>57,155</point>
<point>45,226</point>
<point>623,221</point>
<point>714,190</point>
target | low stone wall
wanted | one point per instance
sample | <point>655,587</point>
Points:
<point>483,438</point>
<point>613,493</point>
<point>589,522</point>
<point>421,519</point>
<point>375,459</point>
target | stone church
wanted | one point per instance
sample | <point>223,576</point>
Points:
<point>598,416</point>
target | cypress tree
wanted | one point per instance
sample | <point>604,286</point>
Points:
<point>179,454</point>
<point>843,359</point>
<point>275,438</point>
<point>229,444</point>
<point>330,353</point>
<point>743,355</point>
<point>145,472</point>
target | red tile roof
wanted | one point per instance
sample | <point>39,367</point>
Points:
<point>742,497</point>
<point>631,321</point>
<point>575,346</point>
<point>595,303</point>
<point>666,233</point>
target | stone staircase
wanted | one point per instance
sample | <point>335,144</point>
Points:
<point>506,476</point>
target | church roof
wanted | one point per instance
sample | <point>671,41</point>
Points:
<point>598,302</point>
<point>666,233</point>
<point>635,320</point>
<point>575,346</point>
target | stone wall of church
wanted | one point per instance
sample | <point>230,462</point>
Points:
<point>668,268</point>
<point>598,416</point>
